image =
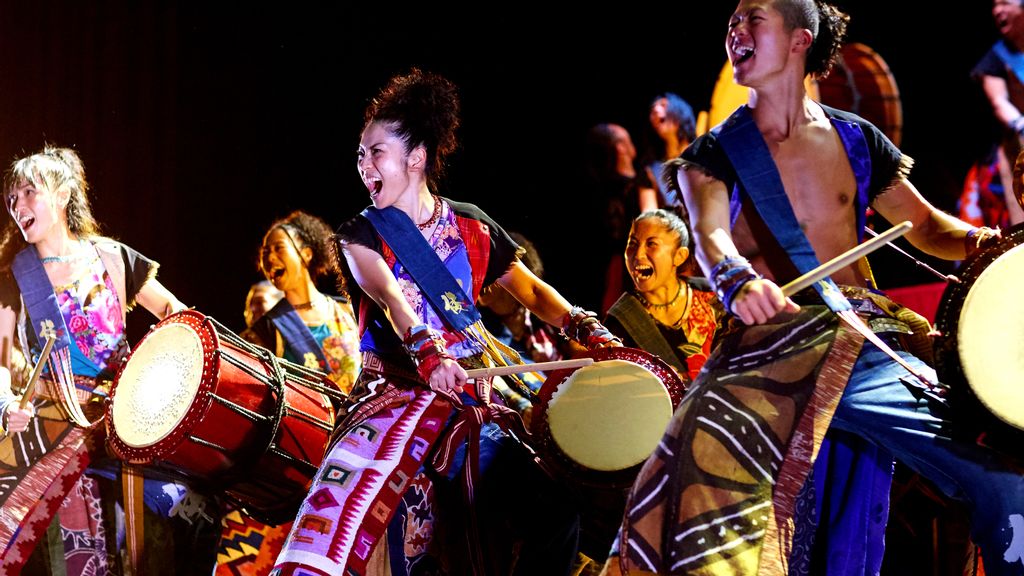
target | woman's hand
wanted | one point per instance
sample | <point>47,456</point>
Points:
<point>448,377</point>
<point>17,418</point>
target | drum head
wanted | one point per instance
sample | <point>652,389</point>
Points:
<point>599,423</point>
<point>580,411</point>
<point>157,385</point>
<point>990,337</point>
<point>978,350</point>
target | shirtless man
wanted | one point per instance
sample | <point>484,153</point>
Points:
<point>785,183</point>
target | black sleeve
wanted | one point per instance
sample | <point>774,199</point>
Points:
<point>137,270</point>
<point>358,230</point>
<point>706,154</point>
<point>888,164</point>
<point>990,65</point>
<point>504,251</point>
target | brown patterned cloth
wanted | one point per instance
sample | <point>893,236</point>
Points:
<point>718,495</point>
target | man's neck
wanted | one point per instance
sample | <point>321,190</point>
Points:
<point>780,113</point>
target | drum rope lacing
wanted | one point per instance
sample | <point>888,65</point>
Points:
<point>278,374</point>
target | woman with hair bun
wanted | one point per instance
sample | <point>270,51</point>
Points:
<point>422,467</point>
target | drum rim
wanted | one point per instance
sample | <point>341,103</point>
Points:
<point>947,318</point>
<point>197,322</point>
<point>194,341</point>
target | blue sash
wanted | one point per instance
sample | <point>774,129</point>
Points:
<point>42,309</point>
<point>747,151</point>
<point>419,259</point>
<point>1014,60</point>
<point>297,336</point>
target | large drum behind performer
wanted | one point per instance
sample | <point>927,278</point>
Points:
<point>196,400</point>
<point>980,349</point>
<point>595,427</point>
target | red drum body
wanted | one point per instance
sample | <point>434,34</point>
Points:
<point>197,401</point>
<point>979,351</point>
<point>595,426</point>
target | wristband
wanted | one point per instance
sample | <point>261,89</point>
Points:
<point>728,276</point>
<point>427,349</point>
<point>978,238</point>
<point>584,328</point>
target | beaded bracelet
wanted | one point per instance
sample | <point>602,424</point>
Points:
<point>728,276</point>
<point>729,263</point>
<point>427,349</point>
<point>583,327</point>
<point>977,238</point>
<point>1017,124</point>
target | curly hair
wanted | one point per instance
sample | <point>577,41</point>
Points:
<point>312,232</point>
<point>826,23</point>
<point>423,109</point>
<point>53,169</point>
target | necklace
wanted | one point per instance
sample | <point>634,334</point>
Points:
<point>679,292</point>
<point>686,309</point>
<point>311,304</point>
<point>65,257</point>
<point>433,217</point>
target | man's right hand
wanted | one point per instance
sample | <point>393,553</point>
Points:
<point>760,300</point>
<point>16,418</point>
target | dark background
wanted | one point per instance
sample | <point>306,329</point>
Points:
<point>200,123</point>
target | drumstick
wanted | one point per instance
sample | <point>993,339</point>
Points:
<point>520,368</point>
<point>30,390</point>
<point>847,258</point>
<point>918,263</point>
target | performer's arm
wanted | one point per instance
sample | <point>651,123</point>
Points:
<point>999,96</point>
<point>375,279</point>
<point>153,296</point>
<point>538,296</point>
<point>741,290</point>
<point>12,418</point>
<point>544,301</point>
<point>934,232</point>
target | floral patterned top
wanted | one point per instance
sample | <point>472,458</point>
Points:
<point>92,314</point>
<point>339,339</point>
<point>447,244</point>
<point>486,259</point>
